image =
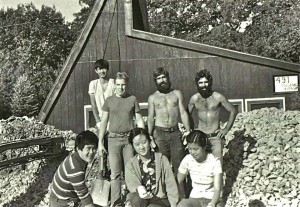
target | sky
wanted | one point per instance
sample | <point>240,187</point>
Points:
<point>66,7</point>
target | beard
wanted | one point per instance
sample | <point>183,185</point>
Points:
<point>164,87</point>
<point>205,92</point>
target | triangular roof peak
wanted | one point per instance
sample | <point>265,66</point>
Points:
<point>132,27</point>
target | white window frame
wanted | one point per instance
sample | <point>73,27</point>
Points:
<point>88,108</point>
<point>264,100</point>
<point>239,102</point>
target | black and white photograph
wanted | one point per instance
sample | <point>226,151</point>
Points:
<point>149,103</point>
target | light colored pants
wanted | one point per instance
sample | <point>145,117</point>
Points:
<point>197,202</point>
<point>119,153</point>
<point>217,145</point>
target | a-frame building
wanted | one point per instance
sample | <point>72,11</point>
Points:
<point>117,31</point>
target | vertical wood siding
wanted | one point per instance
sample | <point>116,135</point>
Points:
<point>235,79</point>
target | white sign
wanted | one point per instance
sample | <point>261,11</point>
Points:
<point>286,83</point>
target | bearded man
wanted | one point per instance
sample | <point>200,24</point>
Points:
<point>208,104</point>
<point>166,105</point>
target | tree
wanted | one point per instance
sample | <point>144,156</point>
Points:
<point>33,42</point>
<point>4,100</point>
<point>262,27</point>
<point>82,16</point>
<point>24,102</point>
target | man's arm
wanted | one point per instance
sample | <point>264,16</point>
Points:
<point>139,120</point>
<point>151,113</point>
<point>94,108</point>
<point>183,113</point>
<point>230,108</point>
<point>76,177</point>
<point>102,131</point>
<point>190,109</point>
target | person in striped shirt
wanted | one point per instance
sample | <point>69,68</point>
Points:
<point>68,184</point>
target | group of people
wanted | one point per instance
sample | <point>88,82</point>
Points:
<point>153,156</point>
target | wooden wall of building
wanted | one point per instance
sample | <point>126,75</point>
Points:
<point>138,57</point>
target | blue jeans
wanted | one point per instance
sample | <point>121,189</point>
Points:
<point>170,144</point>
<point>119,153</point>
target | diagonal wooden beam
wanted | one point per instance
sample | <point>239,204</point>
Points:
<point>71,61</point>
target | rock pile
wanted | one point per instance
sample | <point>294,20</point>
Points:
<point>261,159</point>
<point>16,128</point>
<point>27,184</point>
<point>261,162</point>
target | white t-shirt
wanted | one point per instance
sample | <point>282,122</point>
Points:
<point>100,95</point>
<point>202,174</point>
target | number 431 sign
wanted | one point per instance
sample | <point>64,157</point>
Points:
<point>286,83</point>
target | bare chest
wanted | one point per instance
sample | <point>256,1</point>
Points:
<point>104,86</point>
<point>209,104</point>
<point>166,100</point>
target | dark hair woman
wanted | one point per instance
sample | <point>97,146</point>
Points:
<point>148,175</point>
<point>205,171</point>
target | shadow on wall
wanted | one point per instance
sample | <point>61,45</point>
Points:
<point>236,151</point>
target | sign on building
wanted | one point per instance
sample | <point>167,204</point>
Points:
<point>286,83</point>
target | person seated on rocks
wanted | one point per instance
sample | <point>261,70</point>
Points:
<point>148,175</point>
<point>205,172</point>
<point>68,183</point>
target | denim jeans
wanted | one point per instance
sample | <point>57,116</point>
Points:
<point>170,144</point>
<point>217,145</point>
<point>119,153</point>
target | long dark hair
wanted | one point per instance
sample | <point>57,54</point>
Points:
<point>160,71</point>
<point>203,74</point>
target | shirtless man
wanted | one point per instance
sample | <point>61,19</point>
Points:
<point>166,105</point>
<point>208,104</point>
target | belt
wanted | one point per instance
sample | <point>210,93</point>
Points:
<point>118,134</point>
<point>167,129</point>
<point>212,135</point>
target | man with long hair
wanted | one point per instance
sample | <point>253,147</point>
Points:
<point>166,105</point>
<point>208,104</point>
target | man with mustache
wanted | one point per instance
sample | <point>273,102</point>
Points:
<point>208,104</point>
<point>166,105</point>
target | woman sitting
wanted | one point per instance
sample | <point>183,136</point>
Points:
<point>148,175</point>
<point>205,171</point>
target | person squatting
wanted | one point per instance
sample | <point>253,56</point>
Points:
<point>154,157</point>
